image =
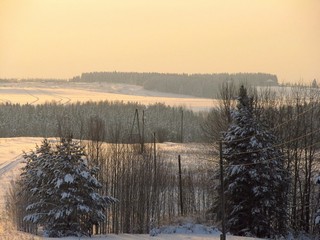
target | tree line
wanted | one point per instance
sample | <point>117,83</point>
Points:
<point>199,85</point>
<point>120,121</point>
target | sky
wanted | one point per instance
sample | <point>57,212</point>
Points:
<point>63,38</point>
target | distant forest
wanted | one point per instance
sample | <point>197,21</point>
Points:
<point>122,122</point>
<point>198,85</point>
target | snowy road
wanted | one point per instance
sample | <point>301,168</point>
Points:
<point>9,165</point>
<point>10,162</point>
<point>8,172</point>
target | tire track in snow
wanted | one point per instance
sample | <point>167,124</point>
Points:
<point>6,167</point>
<point>68,100</point>
<point>36,98</point>
<point>61,98</point>
<point>9,165</point>
<point>51,94</point>
<point>3,163</point>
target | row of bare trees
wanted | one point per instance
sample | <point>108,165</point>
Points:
<point>147,184</point>
<point>299,122</point>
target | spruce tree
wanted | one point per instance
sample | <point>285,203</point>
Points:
<point>65,199</point>
<point>317,215</point>
<point>34,177</point>
<point>255,177</point>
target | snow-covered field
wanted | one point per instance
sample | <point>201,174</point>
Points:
<point>10,163</point>
<point>64,92</point>
<point>11,150</point>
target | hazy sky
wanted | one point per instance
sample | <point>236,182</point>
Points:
<point>63,38</point>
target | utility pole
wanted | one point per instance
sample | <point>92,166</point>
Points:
<point>136,116</point>
<point>181,127</point>
<point>155,188</point>
<point>223,235</point>
<point>142,137</point>
<point>180,185</point>
<point>155,154</point>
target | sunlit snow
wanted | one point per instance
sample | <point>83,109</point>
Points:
<point>64,93</point>
<point>68,178</point>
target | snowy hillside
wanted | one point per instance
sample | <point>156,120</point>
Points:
<point>38,93</point>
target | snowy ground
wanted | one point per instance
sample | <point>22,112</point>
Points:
<point>11,150</point>
<point>64,92</point>
<point>186,231</point>
<point>160,237</point>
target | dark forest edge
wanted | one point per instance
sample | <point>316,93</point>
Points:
<point>198,85</point>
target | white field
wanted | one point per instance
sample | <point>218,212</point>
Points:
<point>10,164</point>
<point>66,92</point>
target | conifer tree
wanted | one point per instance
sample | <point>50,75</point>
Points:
<point>64,190</point>
<point>255,177</point>
<point>317,215</point>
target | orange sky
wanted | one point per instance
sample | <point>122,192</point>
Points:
<point>63,38</point>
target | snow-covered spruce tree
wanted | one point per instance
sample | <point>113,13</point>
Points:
<point>255,177</point>
<point>317,215</point>
<point>65,201</point>
<point>34,178</point>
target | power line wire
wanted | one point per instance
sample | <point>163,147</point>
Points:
<point>278,145</point>
<point>277,126</point>
<point>263,149</point>
<point>270,159</point>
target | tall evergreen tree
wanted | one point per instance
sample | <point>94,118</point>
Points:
<point>63,189</point>
<point>255,177</point>
<point>317,215</point>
